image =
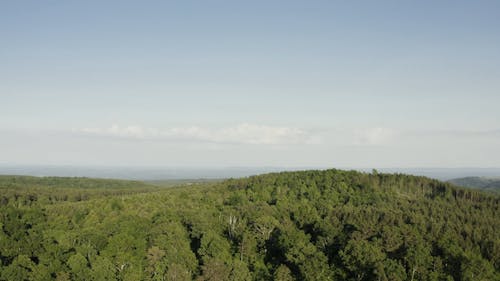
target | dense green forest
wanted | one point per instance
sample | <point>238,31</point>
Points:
<point>308,225</point>
<point>485,183</point>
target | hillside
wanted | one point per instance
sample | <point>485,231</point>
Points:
<point>308,225</point>
<point>28,190</point>
<point>486,183</point>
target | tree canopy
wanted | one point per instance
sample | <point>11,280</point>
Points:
<point>307,225</point>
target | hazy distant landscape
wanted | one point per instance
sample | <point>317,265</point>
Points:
<point>172,173</point>
<point>484,183</point>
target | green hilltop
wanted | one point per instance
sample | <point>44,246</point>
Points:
<point>306,225</point>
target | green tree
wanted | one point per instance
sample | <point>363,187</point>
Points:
<point>283,273</point>
<point>20,269</point>
<point>364,260</point>
<point>79,267</point>
<point>103,269</point>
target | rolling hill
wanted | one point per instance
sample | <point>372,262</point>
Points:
<point>485,183</point>
<point>306,225</point>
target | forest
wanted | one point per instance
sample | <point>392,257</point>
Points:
<point>484,183</point>
<point>304,225</point>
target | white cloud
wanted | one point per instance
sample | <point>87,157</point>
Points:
<point>241,134</point>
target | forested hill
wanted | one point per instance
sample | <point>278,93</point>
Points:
<point>485,183</point>
<point>310,225</point>
<point>26,190</point>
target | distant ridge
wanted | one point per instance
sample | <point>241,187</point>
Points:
<point>486,183</point>
<point>155,173</point>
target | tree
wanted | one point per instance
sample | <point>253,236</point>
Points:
<point>79,269</point>
<point>475,268</point>
<point>283,273</point>
<point>20,269</point>
<point>363,259</point>
<point>103,269</point>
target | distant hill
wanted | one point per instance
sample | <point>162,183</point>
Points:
<point>159,173</point>
<point>492,184</point>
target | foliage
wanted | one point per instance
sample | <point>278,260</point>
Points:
<point>484,183</point>
<point>309,225</point>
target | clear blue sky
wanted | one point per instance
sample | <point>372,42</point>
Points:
<point>250,83</point>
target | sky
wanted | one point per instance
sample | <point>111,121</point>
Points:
<point>250,83</point>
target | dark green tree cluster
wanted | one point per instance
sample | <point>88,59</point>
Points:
<point>309,225</point>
